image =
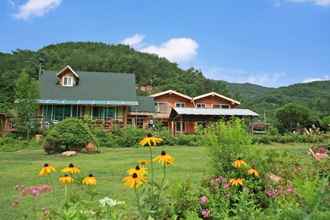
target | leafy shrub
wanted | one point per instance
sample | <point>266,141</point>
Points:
<point>227,141</point>
<point>289,138</point>
<point>168,138</point>
<point>69,134</point>
<point>127,137</point>
<point>187,140</point>
<point>10,144</point>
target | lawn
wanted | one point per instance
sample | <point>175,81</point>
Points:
<point>109,167</point>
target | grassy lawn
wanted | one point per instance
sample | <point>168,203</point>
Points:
<point>109,167</point>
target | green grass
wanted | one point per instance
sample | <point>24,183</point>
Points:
<point>109,167</point>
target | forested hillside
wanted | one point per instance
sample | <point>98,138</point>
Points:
<point>152,70</point>
<point>149,69</point>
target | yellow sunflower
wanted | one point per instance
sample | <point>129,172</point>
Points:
<point>71,169</point>
<point>149,140</point>
<point>236,182</point>
<point>134,180</point>
<point>238,163</point>
<point>46,169</point>
<point>143,162</point>
<point>89,180</point>
<point>164,159</point>
<point>140,170</point>
<point>66,179</point>
<point>253,172</point>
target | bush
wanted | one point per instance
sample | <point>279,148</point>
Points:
<point>126,137</point>
<point>10,144</point>
<point>187,140</point>
<point>227,141</point>
<point>289,138</point>
<point>70,134</point>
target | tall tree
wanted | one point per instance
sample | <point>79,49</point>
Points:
<point>292,116</point>
<point>27,92</point>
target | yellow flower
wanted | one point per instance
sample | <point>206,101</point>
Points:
<point>71,169</point>
<point>66,179</point>
<point>236,182</point>
<point>149,140</point>
<point>238,163</point>
<point>140,170</point>
<point>253,172</point>
<point>46,169</point>
<point>143,162</point>
<point>89,180</point>
<point>164,159</point>
<point>134,180</point>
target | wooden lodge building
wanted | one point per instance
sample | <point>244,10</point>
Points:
<point>110,99</point>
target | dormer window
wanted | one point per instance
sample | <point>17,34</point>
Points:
<point>68,81</point>
<point>68,77</point>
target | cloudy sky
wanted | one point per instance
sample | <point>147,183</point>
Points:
<point>268,42</point>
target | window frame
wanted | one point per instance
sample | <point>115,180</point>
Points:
<point>181,104</point>
<point>200,105</point>
<point>227,106</point>
<point>66,80</point>
<point>182,127</point>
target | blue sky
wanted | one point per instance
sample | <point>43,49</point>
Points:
<point>268,42</point>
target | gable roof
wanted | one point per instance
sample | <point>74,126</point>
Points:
<point>97,88</point>
<point>71,70</point>
<point>172,92</point>
<point>218,95</point>
<point>146,104</point>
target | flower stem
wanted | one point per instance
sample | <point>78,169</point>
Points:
<point>138,202</point>
<point>164,174</point>
<point>151,166</point>
<point>66,193</point>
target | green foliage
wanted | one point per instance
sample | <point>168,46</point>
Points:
<point>227,141</point>
<point>127,137</point>
<point>325,122</point>
<point>292,116</point>
<point>69,134</point>
<point>11,144</point>
<point>184,200</point>
<point>290,138</point>
<point>27,92</point>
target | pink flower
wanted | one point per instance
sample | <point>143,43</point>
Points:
<point>35,191</point>
<point>272,193</point>
<point>290,189</point>
<point>226,185</point>
<point>203,200</point>
<point>205,213</point>
<point>216,181</point>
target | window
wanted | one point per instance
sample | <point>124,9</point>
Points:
<point>216,106</point>
<point>225,106</point>
<point>200,105</point>
<point>179,105</point>
<point>139,122</point>
<point>68,81</point>
<point>180,126</point>
<point>162,107</point>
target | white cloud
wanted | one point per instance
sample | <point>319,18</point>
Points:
<point>243,76</point>
<point>308,80</point>
<point>36,8</point>
<point>180,50</point>
<point>175,49</point>
<point>315,2</point>
<point>133,41</point>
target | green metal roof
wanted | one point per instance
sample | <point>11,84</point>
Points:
<point>146,104</point>
<point>96,88</point>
